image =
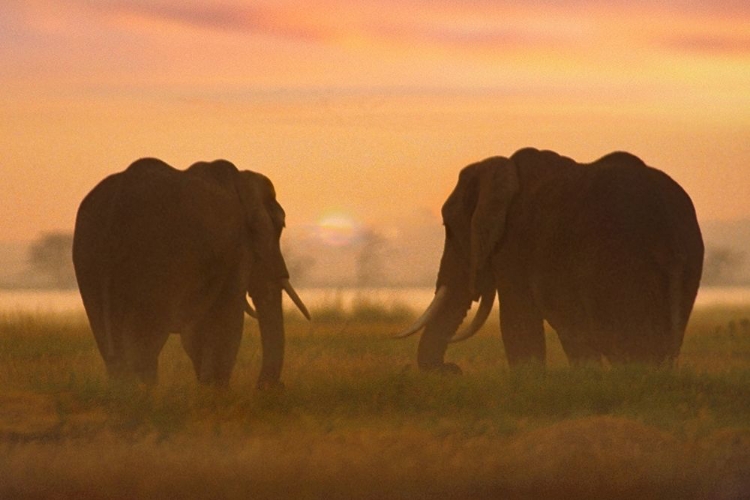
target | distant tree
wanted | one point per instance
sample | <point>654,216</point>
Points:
<point>298,265</point>
<point>370,261</point>
<point>722,266</point>
<point>50,257</point>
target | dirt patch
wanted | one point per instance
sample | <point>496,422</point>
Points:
<point>595,455</point>
<point>26,416</point>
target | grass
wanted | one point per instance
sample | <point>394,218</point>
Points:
<point>358,421</point>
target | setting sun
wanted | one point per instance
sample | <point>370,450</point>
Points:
<point>337,229</point>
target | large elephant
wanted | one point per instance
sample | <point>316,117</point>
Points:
<point>609,253</point>
<point>158,250</point>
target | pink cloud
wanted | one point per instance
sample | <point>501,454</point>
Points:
<point>712,43</point>
<point>440,23</point>
<point>219,17</point>
<point>473,24</point>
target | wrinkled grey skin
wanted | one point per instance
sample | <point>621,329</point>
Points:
<point>609,253</point>
<point>158,251</point>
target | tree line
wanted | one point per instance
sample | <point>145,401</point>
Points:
<point>50,264</point>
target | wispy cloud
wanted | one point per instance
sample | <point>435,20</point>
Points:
<point>252,19</point>
<point>717,43</point>
<point>442,24</point>
<point>368,43</point>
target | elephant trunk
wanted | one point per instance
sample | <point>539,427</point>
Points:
<point>432,310</point>
<point>291,292</point>
<point>485,307</point>
<point>271,323</point>
<point>439,330</point>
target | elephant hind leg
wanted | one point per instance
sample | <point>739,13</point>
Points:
<point>212,345</point>
<point>192,343</point>
<point>141,350</point>
<point>116,368</point>
<point>577,351</point>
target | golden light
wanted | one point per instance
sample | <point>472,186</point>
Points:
<point>337,229</point>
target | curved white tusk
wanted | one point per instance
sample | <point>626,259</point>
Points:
<point>287,286</point>
<point>430,312</point>
<point>249,309</point>
<point>485,306</point>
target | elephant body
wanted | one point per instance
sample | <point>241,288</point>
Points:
<point>609,254</point>
<point>158,250</point>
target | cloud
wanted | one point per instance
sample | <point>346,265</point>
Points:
<point>711,43</point>
<point>475,24</point>
<point>251,19</point>
<point>223,17</point>
<point>395,26</point>
<point>367,43</point>
<point>441,23</point>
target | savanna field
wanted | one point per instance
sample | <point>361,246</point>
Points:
<point>357,420</point>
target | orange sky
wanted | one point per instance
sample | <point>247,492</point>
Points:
<point>366,108</point>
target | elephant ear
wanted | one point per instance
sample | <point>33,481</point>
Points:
<point>265,218</point>
<point>496,185</point>
<point>258,197</point>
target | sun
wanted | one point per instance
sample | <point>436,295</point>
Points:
<point>337,229</point>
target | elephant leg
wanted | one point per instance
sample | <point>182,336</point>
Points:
<point>106,329</point>
<point>213,343</point>
<point>141,348</point>
<point>522,328</point>
<point>116,367</point>
<point>110,347</point>
<point>224,343</point>
<point>578,352</point>
<point>192,343</point>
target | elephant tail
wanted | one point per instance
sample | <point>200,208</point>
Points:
<point>109,334</point>
<point>677,313</point>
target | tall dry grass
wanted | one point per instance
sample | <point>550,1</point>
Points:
<point>358,421</point>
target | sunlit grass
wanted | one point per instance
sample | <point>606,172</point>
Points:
<point>357,420</point>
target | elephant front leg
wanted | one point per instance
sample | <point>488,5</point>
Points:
<point>522,330</point>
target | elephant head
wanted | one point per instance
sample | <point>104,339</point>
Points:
<point>475,216</point>
<point>265,271</point>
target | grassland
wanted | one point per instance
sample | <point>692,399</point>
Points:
<point>357,421</point>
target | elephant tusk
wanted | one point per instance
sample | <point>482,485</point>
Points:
<point>287,286</point>
<point>430,312</point>
<point>485,306</point>
<point>249,310</point>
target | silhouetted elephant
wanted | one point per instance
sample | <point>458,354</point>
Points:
<point>609,253</point>
<point>157,250</point>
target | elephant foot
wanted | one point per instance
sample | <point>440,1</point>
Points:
<point>451,369</point>
<point>269,385</point>
<point>445,368</point>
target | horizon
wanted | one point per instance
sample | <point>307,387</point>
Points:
<point>404,256</point>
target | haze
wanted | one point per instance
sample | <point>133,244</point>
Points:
<point>366,110</point>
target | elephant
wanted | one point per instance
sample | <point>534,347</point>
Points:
<point>609,253</point>
<point>158,250</point>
